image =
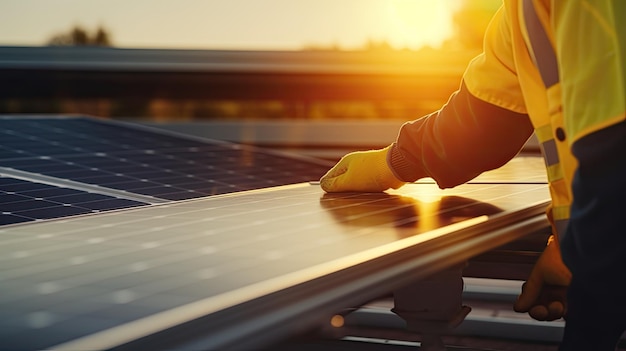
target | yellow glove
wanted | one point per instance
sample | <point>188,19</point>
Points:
<point>362,171</point>
<point>544,293</point>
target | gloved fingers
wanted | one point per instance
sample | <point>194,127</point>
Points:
<point>553,311</point>
<point>338,169</point>
<point>361,171</point>
<point>531,290</point>
<point>538,312</point>
<point>550,303</point>
<point>555,298</point>
<point>328,182</point>
<point>335,184</point>
<point>352,173</point>
<point>556,310</point>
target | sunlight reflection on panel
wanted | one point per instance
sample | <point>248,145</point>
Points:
<point>403,212</point>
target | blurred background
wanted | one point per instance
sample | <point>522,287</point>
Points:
<point>203,60</point>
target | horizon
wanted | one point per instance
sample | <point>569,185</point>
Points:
<point>235,24</point>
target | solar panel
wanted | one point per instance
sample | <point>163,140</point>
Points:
<point>23,201</point>
<point>132,277</point>
<point>147,162</point>
<point>519,170</point>
<point>129,277</point>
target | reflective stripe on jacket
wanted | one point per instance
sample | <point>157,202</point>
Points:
<point>557,62</point>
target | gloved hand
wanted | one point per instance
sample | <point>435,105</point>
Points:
<point>544,293</point>
<point>362,171</point>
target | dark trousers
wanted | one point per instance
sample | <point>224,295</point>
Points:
<point>594,245</point>
<point>591,325</point>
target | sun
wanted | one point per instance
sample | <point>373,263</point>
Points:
<point>414,23</point>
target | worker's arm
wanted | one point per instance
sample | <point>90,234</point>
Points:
<point>482,126</point>
<point>453,145</point>
<point>465,138</point>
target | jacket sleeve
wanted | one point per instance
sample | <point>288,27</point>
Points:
<point>455,144</point>
<point>482,126</point>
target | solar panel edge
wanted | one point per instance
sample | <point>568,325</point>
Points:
<point>42,116</point>
<point>38,207</point>
<point>44,221</point>
<point>67,183</point>
<point>146,206</point>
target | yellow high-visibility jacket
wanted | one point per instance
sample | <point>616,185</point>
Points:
<point>552,67</point>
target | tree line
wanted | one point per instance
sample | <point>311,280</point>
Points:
<point>79,36</point>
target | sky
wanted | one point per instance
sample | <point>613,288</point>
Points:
<point>233,24</point>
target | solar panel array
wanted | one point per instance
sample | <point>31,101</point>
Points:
<point>141,161</point>
<point>96,278</point>
<point>73,277</point>
<point>109,155</point>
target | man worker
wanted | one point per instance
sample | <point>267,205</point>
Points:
<point>555,68</point>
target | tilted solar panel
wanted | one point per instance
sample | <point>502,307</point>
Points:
<point>206,263</point>
<point>100,164</point>
<point>133,276</point>
<point>148,162</point>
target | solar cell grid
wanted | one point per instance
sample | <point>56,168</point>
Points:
<point>144,162</point>
<point>24,201</point>
<point>74,277</point>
